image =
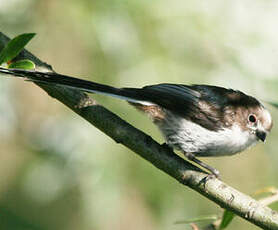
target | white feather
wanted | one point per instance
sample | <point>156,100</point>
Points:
<point>190,137</point>
<point>124,98</point>
<point>109,94</point>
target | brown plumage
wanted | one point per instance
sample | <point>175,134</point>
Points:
<point>199,120</point>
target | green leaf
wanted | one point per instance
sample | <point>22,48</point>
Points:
<point>22,64</point>
<point>226,219</point>
<point>14,46</point>
<point>197,219</point>
<point>275,104</point>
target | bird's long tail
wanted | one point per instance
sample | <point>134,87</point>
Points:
<point>129,94</point>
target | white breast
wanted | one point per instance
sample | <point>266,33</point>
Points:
<point>188,136</point>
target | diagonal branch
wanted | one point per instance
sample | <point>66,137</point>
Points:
<point>161,157</point>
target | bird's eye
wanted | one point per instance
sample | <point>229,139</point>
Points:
<point>252,118</point>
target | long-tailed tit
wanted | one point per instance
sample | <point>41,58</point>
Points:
<point>199,120</point>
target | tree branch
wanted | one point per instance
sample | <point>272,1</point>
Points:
<point>161,157</point>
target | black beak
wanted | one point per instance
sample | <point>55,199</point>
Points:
<point>261,135</point>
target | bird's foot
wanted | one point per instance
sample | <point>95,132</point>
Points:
<point>214,172</point>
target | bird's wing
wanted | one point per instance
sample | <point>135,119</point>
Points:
<point>201,104</point>
<point>198,103</point>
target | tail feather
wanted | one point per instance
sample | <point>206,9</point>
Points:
<point>131,95</point>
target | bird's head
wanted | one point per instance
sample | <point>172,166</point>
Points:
<point>249,114</point>
<point>258,121</point>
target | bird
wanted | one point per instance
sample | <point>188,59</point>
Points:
<point>198,120</point>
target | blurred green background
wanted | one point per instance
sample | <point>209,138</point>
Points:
<point>59,172</point>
